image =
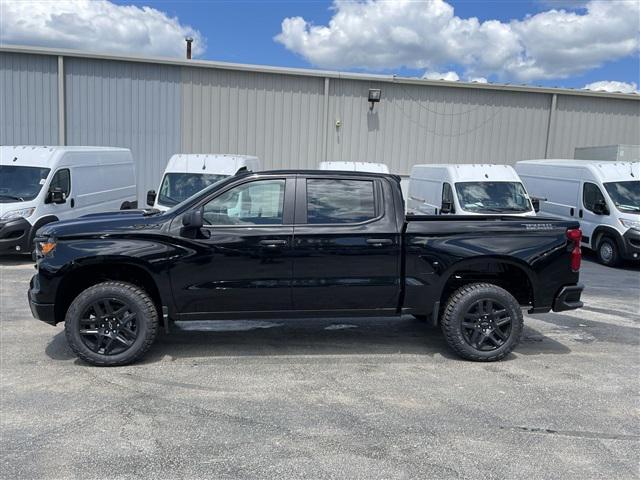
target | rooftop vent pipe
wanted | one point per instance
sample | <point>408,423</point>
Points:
<point>189,41</point>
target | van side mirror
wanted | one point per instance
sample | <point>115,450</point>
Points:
<point>193,219</point>
<point>56,195</point>
<point>151,198</point>
<point>600,208</point>
<point>447,207</point>
<point>535,203</point>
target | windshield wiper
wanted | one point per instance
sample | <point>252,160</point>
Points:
<point>633,208</point>
<point>12,197</point>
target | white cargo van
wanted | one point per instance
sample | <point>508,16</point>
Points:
<point>603,196</point>
<point>39,185</point>
<point>355,166</point>
<point>187,174</point>
<point>467,190</point>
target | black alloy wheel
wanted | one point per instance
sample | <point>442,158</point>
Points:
<point>486,325</point>
<point>108,326</point>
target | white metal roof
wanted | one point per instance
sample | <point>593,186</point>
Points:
<point>355,166</point>
<point>467,172</point>
<point>602,169</point>
<point>43,156</point>
<point>211,163</point>
<point>312,72</point>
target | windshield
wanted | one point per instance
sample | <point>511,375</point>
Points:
<point>18,183</point>
<point>625,195</point>
<point>492,197</point>
<point>177,187</point>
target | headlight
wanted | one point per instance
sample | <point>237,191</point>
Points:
<point>23,212</point>
<point>635,224</point>
<point>45,248</point>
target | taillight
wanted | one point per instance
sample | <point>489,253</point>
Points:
<point>575,235</point>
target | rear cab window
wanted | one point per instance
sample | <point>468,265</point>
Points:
<point>340,201</point>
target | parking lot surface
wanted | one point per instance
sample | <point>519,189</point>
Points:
<point>324,398</point>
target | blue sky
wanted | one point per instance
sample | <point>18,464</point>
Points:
<point>243,31</point>
<point>568,43</point>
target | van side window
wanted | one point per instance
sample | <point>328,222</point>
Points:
<point>591,195</point>
<point>254,203</point>
<point>62,180</point>
<point>447,196</point>
<point>340,201</point>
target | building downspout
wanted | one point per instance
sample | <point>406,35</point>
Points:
<point>325,122</point>
<point>551,126</point>
<point>62,135</point>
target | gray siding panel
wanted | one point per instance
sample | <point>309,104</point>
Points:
<point>123,104</point>
<point>28,99</point>
<point>415,124</point>
<point>276,117</point>
<point>588,121</point>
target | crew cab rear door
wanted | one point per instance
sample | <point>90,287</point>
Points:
<point>346,245</point>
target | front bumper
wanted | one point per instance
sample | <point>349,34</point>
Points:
<point>15,235</point>
<point>40,311</point>
<point>631,245</point>
<point>568,298</point>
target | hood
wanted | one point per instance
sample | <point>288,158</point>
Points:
<point>109,223</point>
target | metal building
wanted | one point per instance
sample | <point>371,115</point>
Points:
<point>292,118</point>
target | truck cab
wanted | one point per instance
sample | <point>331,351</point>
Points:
<point>604,196</point>
<point>40,185</point>
<point>187,174</point>
<point>476,189</point>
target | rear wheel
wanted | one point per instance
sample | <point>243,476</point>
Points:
<point>482,322</point>
<point>112,323</point>
<point>608,252</point>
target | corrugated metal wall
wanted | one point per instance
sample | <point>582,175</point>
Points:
<point>157,110</point>
<point>28,99</point>
<point>125,104</point>
<point>591,121</point>
<point>276,117</point>
<point>423,124</point>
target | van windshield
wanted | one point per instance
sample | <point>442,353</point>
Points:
<point>492,197</point>
<point>625,195</point>
<point>18,183</point>
<point>177,187</point>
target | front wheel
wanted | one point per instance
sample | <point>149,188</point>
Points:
<point>482,322</point>
<point>111,323</point>
<point>607,252</point>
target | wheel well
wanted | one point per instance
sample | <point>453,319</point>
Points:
<point>505,275</point>
<point>85,277</point>
<point>601,232</point>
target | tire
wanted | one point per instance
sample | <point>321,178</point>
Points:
<point>111,323</point>
<point>608,252</point>
<point>482,322</point>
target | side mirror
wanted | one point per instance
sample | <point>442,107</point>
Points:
<point>56,195</point>
<point>535,203</point>
<point>151,198</point>
<point>600,208</point>
<point>447,207</point>
<point>193,220</point>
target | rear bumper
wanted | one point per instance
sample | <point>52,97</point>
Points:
<point>631,245</point>
<point>568,298</point>
<point>40,311</point>
<point>15,235</point>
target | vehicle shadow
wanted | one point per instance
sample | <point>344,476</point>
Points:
<point>15,259</point>
<point>310,337</point>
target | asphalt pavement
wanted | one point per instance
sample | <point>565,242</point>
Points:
<point>357,398</point>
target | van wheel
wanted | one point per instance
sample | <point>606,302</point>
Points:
<point>482,322</point>
<point>607,251</point>
<point>111,323</point>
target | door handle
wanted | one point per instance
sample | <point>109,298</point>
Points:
<point>379,242</point>
<point>272,243</point>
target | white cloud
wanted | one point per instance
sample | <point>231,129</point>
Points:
<point>96,25</point>
<point>379,34</point>
<point>450,76</point>
<point>613,86</point>
<point>478,80</point>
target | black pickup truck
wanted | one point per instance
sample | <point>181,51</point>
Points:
<point>300,244</point>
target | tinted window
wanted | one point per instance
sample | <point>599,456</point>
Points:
<point>492,197</point>
<point>339,201</point>
<point>62,180</point>
<point>254,203</point>
<point>20,183</point>
<point>590,195</point>
<point>177,187</point>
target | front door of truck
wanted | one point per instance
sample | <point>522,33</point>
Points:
<point>347,248</point>
<point>241,259</point>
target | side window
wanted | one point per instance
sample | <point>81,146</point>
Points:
<point>254,203</point>
<point>62,180</point>
<point>340,201</point>
<point>591,195</point>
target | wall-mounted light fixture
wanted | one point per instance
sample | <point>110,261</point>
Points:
<point>374,96</point>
